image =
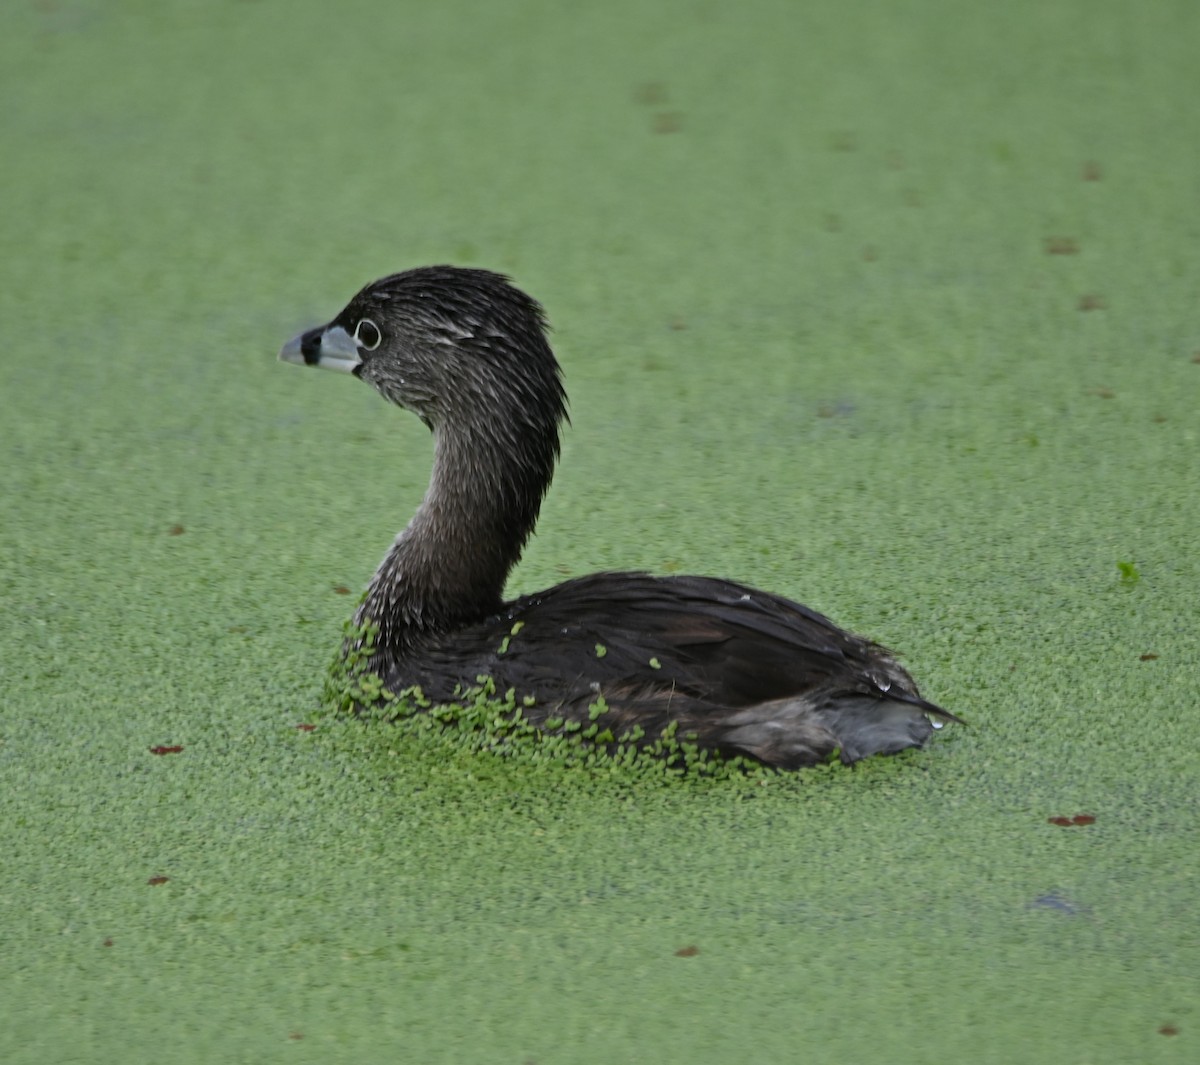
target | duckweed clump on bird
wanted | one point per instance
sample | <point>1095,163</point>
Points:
<point>484,720</point>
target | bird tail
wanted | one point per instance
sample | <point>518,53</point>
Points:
<point>791,733</point>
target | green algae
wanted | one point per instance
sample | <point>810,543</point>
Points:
<point>800,261</point>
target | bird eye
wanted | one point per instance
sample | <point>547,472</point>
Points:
<point>367,334</point>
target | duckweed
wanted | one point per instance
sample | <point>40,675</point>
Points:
<point>490,723</point>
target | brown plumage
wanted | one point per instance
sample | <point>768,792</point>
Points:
<point>743,671</point>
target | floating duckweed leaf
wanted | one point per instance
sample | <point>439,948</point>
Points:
<point>166,750</point>
<point>601,650</point>
<point>1129,573</point>
<point>655,664</point>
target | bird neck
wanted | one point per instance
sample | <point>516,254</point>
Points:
<point>449,565</point>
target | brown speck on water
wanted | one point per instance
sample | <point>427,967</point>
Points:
<point>668,122</point>
<point>1149,656</point>
<point>175,530</point>
<point>1091,171</point>
<point>1062,822</point>
<point>650,92</point>
<point>678,324</point>
<point>1102,392</point>
<point>1083,819</point>
<point>306,728</point>
<point>1061,246</point>
<point>1168,1029</point>
<point>156,881</point>
<point>295,1035</point>
<point>1092,302</point>
<point>107,943</point>
<point>173,749</point>
<point>687,952</point>
<point>341,589</point>
<point>238,629</point>
<point>1196,357</point>
<point>825,411</point>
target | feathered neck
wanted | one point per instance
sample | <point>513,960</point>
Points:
<point>449,565</point>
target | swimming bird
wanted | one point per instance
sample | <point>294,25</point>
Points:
<point>729,667</point>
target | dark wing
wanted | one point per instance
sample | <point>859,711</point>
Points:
<point>717,657</point>
<point>717,640</point>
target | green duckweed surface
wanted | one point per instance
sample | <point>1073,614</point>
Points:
<point>892,308</point>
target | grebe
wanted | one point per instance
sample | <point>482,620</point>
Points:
<point>735,669</point>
